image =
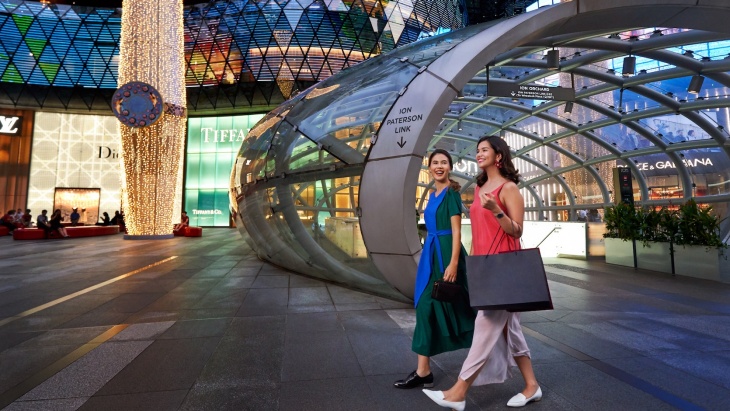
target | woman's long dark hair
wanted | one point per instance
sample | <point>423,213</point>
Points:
<point>454,185</point>
<point>508,169</point>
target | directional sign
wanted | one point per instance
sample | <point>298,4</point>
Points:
<point>529,91</point>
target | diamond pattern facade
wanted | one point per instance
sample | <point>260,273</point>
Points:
<point>241,55</point>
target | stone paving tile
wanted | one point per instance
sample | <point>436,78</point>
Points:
<point>684,385</point>
<point>265,338</point>
<point>158,401</point>
<point>313,322</point>
<point>89,373</point>
<point>166,365</point>
<point>68,404</point>
<point>18,364</point>
<point>144,331</point>
<point>65,336</point>
<point>319,355</point>
<point>350,394</point>
<point>309,296</point>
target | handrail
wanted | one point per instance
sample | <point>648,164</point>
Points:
<point>548,235</point>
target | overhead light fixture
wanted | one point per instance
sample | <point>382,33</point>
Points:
<point>568,107</point>
<point>459,126</point>
<point>629,66</point>
<point>695,84</point>
<point>657,33</point>
<point>553,59</point>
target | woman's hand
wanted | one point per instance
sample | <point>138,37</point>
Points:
<point>489,202</point>
<point>450,273</point>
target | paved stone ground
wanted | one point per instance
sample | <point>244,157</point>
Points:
<point>216,329</point>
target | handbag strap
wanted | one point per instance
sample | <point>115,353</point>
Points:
<point>495,244</point>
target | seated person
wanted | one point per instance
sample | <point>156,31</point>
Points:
<point>184,222</point>
<point>18,218</point>
<point>117,219</point>
<point>42,222</point>
<point>8,220</point>
<point>27,219</point>
<point>104,219</point>
<point>75,217</point>
<point>56,219</point>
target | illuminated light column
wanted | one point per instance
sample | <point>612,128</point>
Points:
<point>151,59</point>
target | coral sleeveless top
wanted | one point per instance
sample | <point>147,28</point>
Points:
<point>487,236</point>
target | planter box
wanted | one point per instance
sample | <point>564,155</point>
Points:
<point>702,262</point>
<point>655,257</point>
<point>619,252</point>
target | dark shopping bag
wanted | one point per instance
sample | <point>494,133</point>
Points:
<point>512,281</point>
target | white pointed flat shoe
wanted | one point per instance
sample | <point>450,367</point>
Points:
<point>438,398</point>
<point>520,400</point>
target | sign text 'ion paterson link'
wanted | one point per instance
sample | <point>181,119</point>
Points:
<point>402,123</point>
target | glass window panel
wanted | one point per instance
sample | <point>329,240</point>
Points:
<point>584,187</point>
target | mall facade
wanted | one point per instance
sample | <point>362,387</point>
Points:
<point>309,124</point>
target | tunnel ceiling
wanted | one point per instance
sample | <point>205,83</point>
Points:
<point>642,116</point>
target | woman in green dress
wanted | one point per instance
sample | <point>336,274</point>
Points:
<point>440,326</point>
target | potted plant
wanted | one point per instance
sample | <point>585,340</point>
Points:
<point>698,249</point>
<point>621,231</point>
<point>655,252</point>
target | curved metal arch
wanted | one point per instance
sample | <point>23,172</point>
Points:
<point>585,134</point>
<point>433,89</point>
<point>538,200</point>
<point>579,162</point>
<point>672,58</point>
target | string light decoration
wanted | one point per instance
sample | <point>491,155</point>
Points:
<point>152,52</point>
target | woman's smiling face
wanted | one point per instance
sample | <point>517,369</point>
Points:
<point>486,156</point>
<point>439,168</point>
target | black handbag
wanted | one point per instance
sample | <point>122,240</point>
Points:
<point>511,280</point>
<point>448,292</point>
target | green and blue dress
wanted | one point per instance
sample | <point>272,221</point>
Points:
<point>440,326</point>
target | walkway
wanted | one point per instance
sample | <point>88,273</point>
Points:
<point>201,323</point>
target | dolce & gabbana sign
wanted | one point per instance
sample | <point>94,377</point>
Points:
<point>701,162</point>
<point>11,125</point>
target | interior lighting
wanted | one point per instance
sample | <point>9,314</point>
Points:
<point>629,66</point>
<point>656,33</point>
<point>459,126</point>
<point>568,107</point>
<point>553,59</point>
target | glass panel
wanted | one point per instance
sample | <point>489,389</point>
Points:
<point>319,215</point>
<point>661,176</point>
<point>709,169</point>
<point>544,155</point>
<point>584,187</point>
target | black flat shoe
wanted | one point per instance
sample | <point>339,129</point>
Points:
<point>413,381</point>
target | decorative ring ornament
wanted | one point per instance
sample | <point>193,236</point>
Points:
<point>137,104</point>
<point>174,109</point>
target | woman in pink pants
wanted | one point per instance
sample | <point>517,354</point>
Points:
<point>496,219</point>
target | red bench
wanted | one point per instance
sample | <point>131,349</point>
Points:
<point>73,232</point>
<point>193,231</point>
<point>92,230</point>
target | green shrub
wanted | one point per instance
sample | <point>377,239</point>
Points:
<point>691,224</point>
<point>622,221</point>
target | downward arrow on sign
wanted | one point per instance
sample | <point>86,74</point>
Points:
<point>401,143</point>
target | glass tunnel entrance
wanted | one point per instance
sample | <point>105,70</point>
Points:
<point>330,183</point>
